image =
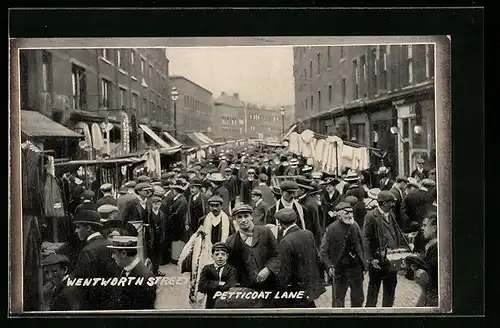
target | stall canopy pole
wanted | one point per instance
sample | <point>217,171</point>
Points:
<point>116,187</point>
<point>336,159</point>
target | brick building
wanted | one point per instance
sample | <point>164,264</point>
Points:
<point>228,117</point>
<point>262,123</point>
<point>76,87</point>
<point>194,106</point>
<point>360,92</point>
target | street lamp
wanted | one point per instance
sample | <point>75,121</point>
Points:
<point>175,96</point>
<point>282,111</point>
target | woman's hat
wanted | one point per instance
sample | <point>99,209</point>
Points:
<point>351,176</point>
<point>330,181</point>
<point>383,170</point>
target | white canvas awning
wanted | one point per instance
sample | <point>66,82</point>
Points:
<point>289,131</point>
<point>154,136</point>
<point>174,141</point>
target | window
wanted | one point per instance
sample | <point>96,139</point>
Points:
<point>341,52</point>
<point>358,133</point>
<point>363,69</point>
<point>144,109</point>
<point>319,63</point>
<point>311,69</point>
<point>355,71</point>
<point>123,98</point>
<point>152,108</point>
<point>306,105</point>
<point>119,58</point>
<point>79,87</point>
<point>383,78</point>
<point>150,76</point>
<point>143,67</point>
<point>343,90</point>
<point>410,63</point>
<point>105,54</point>
<point>429,61</point>
<point>46,72</point>
<point>374,61</point>
<point>105,92</point>
<point>135,99</point>
<point>319,101</point>
<point>329,96</point>
<point>329,56</point>
<point>312,103</point>
<point>132,63</point>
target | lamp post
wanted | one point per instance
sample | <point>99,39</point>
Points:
<point>175,96</point>
<point>282,111</point>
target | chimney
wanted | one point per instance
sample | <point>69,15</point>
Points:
<point>223,93</point>
<point>236,95</point>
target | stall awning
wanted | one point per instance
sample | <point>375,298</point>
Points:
<point>154,136</point>
<point>289,131</point>
<point>199,142</point>
<point>172,140</point>
<point>203,137</point>
<point>35,124</point>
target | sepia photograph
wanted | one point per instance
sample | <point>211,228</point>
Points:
<point>243,174</point>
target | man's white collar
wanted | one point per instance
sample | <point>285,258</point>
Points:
<point>94,235</point>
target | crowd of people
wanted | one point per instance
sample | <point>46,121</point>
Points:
<point>258,220</point>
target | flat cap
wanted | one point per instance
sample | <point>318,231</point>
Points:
<point>351,200</point>
<point>243,208</point>
<point>420,161</point>
<point>428,183</point>
<point>228,169</point>
<point>107,208</point>
<point>88,194</point>
<point>53,259</point>
<point>373,193</point>
<point>344,206</point>
<point>219,246</point>
<point>401,178</point>
<point>385,196</point>
<point>158,191</point>
<point>195,182</point>
<point>122,190</point>
<point>263,177</point>
<point>167,175</point>
<point>106,187</point>
<point>156,183</point>
<point>142,178</point>
<point>143,186</point>
<point>289,185</point>
<point>216,199</point>
<point>156,199</point>
<point>286,215</point>
<point>257,192</point>
<point>177,170</point>
<point>131,184</point>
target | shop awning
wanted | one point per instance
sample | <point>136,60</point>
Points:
<point>289,131</point>
<point>154,136</point>
<point>203,137</point>
<point>171,139</point>
<point>35,124</point>
<point>197,141</point>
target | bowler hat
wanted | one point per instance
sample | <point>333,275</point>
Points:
<point>124,242</point>
<point>88,217</point>
<point>330,181</point>
<point>55,258</point>
<point>121,227</point>
<point>276,191</point>
<point>286,215</point>
<point>195,182</point>
<point>385,196</point>
<point>243,208</point>
<point>219,246</point>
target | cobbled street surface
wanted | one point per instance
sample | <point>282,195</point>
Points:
<point>176,297</point>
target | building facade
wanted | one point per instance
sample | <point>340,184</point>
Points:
<point>194,106</point>
<point>262,123</point>
<point>228,117</point>
<point>79,87</point>
<point>360,92</point>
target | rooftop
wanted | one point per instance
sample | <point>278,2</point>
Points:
<point>173,77</point>
<point>229,100</point>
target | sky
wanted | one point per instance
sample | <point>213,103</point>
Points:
<point>260,75</point>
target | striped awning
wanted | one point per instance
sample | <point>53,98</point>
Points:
<point>154,136</point>
<point>171,139</point>
<point>289,131</point>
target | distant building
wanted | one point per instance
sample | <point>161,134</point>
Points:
<point>360,92</point>
<point>194,106</point>
<point>74,87</point>
<point>262,123</point>
<point>228,117</point>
